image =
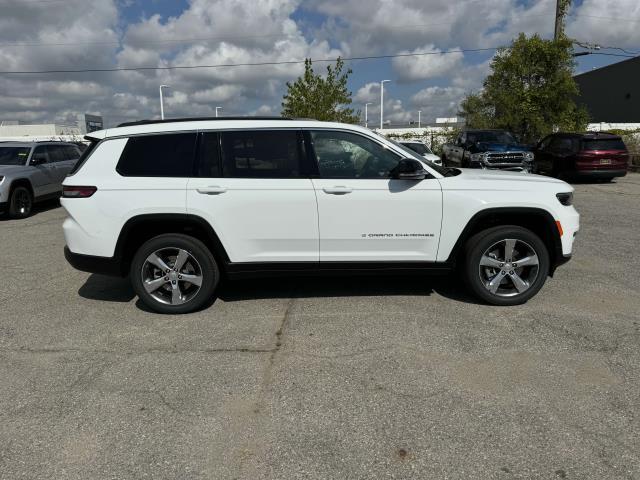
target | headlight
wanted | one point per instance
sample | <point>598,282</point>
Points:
<point>565,198</point>
<point>528,156</point>
<point>478,157</point>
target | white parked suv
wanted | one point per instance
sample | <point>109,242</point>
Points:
<point>178,205</point>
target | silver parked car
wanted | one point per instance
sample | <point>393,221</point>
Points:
<point>32,172</point>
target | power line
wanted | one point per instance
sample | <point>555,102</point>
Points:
<point>256,64</point>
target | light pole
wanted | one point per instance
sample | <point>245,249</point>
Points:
<point>366,114</point>
<point>161,102</point>
<point>382,102</point>
<point>419,112</point>
<point>217,108</point>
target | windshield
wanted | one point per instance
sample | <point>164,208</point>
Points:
<point>418,147</point>
<point>411,154</point>
<point>490,137</point>
<point>14,155</point>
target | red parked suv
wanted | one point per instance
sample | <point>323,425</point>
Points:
<point>597,155</point>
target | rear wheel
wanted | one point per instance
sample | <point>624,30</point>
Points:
<point>20,203</point>
<point>174,273</point>
<point>506,265</point>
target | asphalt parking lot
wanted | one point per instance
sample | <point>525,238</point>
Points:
<point>325,379</point>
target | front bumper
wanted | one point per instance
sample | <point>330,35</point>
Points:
<point>599,173</point>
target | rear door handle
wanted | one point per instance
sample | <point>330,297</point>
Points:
<point>337,190</point>
<point>212,190</point>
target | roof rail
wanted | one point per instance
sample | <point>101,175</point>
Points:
<point>200,119</point>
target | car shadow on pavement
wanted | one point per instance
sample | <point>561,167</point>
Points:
<point>107,289</point>
<point>349,286</point>
<point>37,208</point>
<point>113,289</point>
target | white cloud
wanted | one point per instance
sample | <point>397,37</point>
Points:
<point>239,31</point>
<point>436,64</point>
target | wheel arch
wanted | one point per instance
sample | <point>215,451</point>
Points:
<point>21,182</point>
<point>141,228</point>
<point>538,220</point>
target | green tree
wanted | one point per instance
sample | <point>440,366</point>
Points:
<point>530,90</point>
<point>322,98</point>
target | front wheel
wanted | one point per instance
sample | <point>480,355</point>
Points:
<point>506,265</point>
<point>20,203</point>
<point>174,273</point>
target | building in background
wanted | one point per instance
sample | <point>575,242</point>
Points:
<point>611,94</point>
<point>11,129</point>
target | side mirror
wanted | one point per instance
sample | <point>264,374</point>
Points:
<point>38,159</point>
<point>409,169</point>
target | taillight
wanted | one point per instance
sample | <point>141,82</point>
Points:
<point>78,192</point>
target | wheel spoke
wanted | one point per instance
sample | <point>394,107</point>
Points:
<point>182,257</point>
<point>509,245</point>
<point>153,285</point>
<point>176,295</point>
<point>518,282</point>
<point>493,285</point>
<point>193,279</point>
<point>529,261</point>
<point>158,262</point>
<point>487,261</point>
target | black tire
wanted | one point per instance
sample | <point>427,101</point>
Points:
<point>200,262</point>
<point>20,202</point>
<point>478,277</point>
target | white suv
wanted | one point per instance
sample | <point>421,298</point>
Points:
<point>178,205</point>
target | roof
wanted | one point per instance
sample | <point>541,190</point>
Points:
<point>196,119</point>
<point>589,135</point>
<point>31,143</point>
<point>221,123</point>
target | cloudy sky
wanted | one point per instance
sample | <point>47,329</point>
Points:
<point>78,34</point>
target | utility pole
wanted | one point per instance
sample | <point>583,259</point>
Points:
<point>419,113</point>
<point>382,103</point>
<point>561,9</point>
<point>366,114</point>
<point>162,102</point>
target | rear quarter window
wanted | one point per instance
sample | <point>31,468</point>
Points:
<point>164,155</point>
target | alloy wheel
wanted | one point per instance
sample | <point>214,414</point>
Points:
<point>509,267</point>
<point>172,276</point>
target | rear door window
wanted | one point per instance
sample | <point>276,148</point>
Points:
<point>262,154</point>
<point>604,144</point>
<point>163,155</point>
<point>56,153</point>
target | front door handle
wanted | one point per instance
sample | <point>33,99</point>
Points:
<point>212,190</point>
<point>338,190</point>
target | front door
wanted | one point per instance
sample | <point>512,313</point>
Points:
<point>43,177</point>
<point>363,214</point>
<point>254,188</point>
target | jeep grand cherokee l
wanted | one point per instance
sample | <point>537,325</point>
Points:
<point>31,172</point>
<point>178,205</point>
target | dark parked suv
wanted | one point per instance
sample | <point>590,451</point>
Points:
<point>601,156</point>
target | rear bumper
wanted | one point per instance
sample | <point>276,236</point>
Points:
<point>599,173</point>
<point>94,264</point>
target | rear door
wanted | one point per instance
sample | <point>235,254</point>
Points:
<point>253,187</point>
<point>364,215</point>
